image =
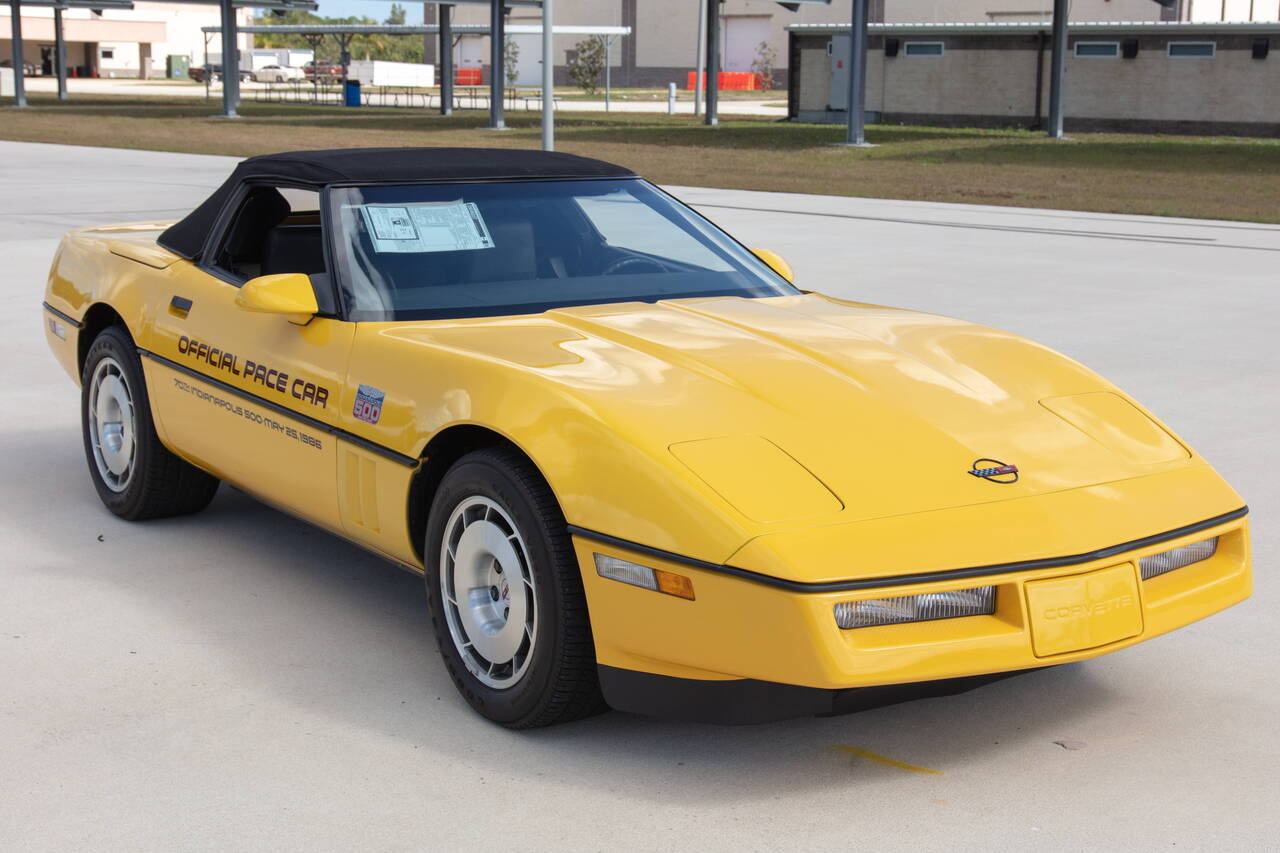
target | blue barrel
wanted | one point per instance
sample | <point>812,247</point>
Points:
<point>351,94</point>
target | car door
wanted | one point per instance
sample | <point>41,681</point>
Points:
<point>254,397</point>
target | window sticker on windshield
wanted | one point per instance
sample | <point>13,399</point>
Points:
<point>452,226</point>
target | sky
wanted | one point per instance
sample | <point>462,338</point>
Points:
<point>367,8</point>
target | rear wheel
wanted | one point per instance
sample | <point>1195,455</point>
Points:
<point>506,599</point>
<point>135,475</point>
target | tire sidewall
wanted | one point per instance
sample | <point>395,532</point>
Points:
<point>479,476</point>
<point>115,343</point>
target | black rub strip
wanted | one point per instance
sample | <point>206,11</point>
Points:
<point>350,438</point>
<point>905,580</point>
<point>54,311</point>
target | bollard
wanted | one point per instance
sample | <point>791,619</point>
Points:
<point>671,99</point>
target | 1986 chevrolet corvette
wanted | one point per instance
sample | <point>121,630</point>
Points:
<point>637,466</point>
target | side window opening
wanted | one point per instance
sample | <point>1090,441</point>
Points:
<point>274,231</point>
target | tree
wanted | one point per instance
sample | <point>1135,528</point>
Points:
<point>388,47</point>
<point>763,65</point>
<point>510,59</point>
<point>586,64</point>
<point>397,15</point>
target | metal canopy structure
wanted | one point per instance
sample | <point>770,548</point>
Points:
<point>446,30</point>
<point>709,29</point>
<point>60,47</point>
<point>856,131</point>
<point>60,57</point>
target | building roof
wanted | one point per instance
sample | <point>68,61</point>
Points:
<point>319,169</point>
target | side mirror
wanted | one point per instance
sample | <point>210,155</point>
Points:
<point>776,263</point>
<point>290,294</point>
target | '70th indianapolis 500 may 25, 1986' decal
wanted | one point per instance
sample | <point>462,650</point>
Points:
<point>262,420</point>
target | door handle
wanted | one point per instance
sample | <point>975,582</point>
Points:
<point>180,307</point>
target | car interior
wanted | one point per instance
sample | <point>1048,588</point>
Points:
<point>270,235</point>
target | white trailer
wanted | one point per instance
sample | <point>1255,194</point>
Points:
<point>377,72</point>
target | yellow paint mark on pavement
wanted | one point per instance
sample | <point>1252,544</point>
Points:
<point>871,756</point>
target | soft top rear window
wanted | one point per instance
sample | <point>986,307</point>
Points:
<point>437,251</point>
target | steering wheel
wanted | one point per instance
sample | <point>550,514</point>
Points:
<point>624,263</point>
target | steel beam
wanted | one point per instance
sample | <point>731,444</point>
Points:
<point>59,53</point>
<point>548,77</point>
<point>1058,67</point>
<point>497,63</point>
<point>856,131</point>
<point>713,63</point>
<point>698,78</point>
<point>230,61</point>
<point>446,59</point>
<point>19,84</point>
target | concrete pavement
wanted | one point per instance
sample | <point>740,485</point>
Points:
<point>239,680</point>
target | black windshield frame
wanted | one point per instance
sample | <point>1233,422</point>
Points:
<point>742,259</point>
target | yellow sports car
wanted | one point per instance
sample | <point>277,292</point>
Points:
<point>637,466</point>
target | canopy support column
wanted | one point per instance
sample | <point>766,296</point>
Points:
<point>59,53</point>
<point>19,84</point>
<point>1058,68</point>
<point>548,77</point>
<point>446,59</point>
<point>856,131</point>
<point>230,61</point>
<point>497,63</point>
<point>699,80</point>
<point>713,63</point>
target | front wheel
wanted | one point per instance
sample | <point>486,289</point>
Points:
<point>506,599</point>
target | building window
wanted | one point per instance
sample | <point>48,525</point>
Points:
<point>1104,49</point>
<point>923,48</point>
<point>108,53</point>
<point>1193,49</point>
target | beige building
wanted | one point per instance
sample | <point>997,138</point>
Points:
<point>1179,77</point>
<point>118,42</point>
<point>663,46</point>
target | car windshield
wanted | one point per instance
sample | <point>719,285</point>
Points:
<point>486,249</point>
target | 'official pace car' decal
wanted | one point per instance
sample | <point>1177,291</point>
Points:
<point>994,470</point>
<point>368,405</point>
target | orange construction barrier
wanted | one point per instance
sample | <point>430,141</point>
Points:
<point>744,81</point>
<point>467,77</point>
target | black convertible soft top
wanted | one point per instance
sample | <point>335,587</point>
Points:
<point>318,169</point>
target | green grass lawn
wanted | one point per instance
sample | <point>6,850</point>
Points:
<point>1207,177</point>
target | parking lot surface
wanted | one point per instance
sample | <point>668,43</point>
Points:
<point>238,680</point>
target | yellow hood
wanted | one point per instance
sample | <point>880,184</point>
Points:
<point>886,409</point>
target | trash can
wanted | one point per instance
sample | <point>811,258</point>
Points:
<point>351,94</point>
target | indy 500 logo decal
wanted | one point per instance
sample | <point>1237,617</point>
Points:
<point>368,405</point>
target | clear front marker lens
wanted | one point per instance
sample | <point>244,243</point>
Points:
<point>916,608</point>
<point>1159,564</point>
<point>642,576</point>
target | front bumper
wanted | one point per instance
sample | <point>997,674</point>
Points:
<point>742,642</point>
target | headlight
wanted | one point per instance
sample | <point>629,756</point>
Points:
<point>916,608</point>
<point>1159,564</point>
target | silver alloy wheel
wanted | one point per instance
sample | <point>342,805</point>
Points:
<point>112,427</point>
<point>486,583</point>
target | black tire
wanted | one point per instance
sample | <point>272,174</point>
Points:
<point>559,682</point>
<point>157,484</point>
